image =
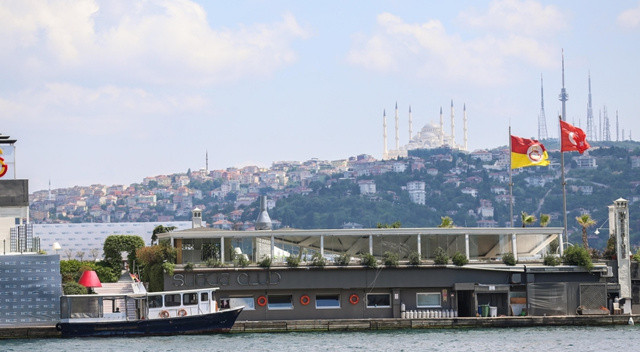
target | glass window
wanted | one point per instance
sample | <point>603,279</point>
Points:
<point>428,300</point>
<point>155,301</point>
<point>247,302</point>
<point>280,302</point>
<point>189,299</point>
<point>378,300</point>
<point>204,297</point>
<point>327,301</point>
<point>172,300</point>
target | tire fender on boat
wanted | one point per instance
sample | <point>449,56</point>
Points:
<point>164,314</point>
<point>59,327</point>
<point>182,313</point>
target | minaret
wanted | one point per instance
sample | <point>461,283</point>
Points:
<point>464,121</point>
<point>206,162</point>
<point>563,93</point>
<point>441,129</point>
<point>397,129</point>
<point>410,124</point>
<point>590,132</point>
<point>385,154</point>
<point>453,128</point>
<point>542,120</point>
<point>600,134</point>
<point>617,128</point>
<point>50,195</point>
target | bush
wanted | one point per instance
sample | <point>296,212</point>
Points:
<point>342,260</point>
<point>440,257</point>
<point>551,260</point>
<point>293,261</point>
<point>369,260</point>
<point>509,259</point>
<point>213,263</point>
<point>391,259</point>
<point>265,262</point>
<point>577,255</point>
<point>74,288</point>
<point>155,273</point>
<point>610,251</point>
<point>318,260</point>
<point>459,259</point>
<point>188,267</point>
<point>414,258</point>
<point>242,261</point>
<point>168,268</point>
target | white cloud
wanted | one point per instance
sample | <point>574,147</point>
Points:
<point>159,41</point>
<point>430,50</point>
<point>630,18</point>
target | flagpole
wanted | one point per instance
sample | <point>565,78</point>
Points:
<point>510,180</point>
<point>564,187</point>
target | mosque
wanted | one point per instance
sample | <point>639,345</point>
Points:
<point>429,137</point>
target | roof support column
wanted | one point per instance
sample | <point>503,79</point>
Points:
<point>371,244</point>
<point>221,249</point>
<point>560,242</point>
<point>466,245</point>
<point>273,246</point>
<point>322,245</point>
<point>419,246</point>
<point>514,246</point>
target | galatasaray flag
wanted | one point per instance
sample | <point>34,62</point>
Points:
<point>573,138</point>
<point>527,152</point>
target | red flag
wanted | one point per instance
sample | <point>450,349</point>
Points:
<point>573,138</point>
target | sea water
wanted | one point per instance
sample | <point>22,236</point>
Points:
<point>611,338</point>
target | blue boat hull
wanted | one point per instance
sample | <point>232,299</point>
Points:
<point>221,321</point>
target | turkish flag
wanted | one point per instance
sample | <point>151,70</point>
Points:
<point>573,138</point>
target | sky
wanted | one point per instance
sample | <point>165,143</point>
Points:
<point>108,92</point>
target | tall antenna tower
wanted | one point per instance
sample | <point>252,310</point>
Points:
<point>563,93</point>
<point>542,120</point>
<point>590,132</point>
<point>607,126</point>
<point>600,134</point>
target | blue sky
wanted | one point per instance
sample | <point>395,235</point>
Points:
<point>112,91</point>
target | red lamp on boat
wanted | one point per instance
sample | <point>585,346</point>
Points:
<point>89,279</point>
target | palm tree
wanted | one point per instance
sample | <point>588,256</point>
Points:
<point>447,222</point>
<point>527,219</point>
<point>585,221</point>
<point>544,220</point>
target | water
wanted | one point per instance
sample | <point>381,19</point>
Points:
<point>612,338</point>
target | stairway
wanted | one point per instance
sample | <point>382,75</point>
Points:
<point>118,288</point>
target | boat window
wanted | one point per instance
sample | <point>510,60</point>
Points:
<point>428,300</point>
<point>204,297</point>
<point>172,300</point>
<point>155,301</point>
<point>378,300</point>
<point>189,299</point>
<point>324,301</point>
<point>280,302</point>
<point>247,302</point>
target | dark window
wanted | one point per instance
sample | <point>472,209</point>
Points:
<point>172,300</point>
<point>328,301</point>
<point>280,302</point>
<point>155,301</point>
<point>189,299</point>
<point>204,297</point>
<point>378,300</point>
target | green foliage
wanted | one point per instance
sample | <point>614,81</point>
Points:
<point>414,258</point>
<point>115,244</point>
<point>554,245</point>
<point>509,259</point>
<point>189,266</point>
<point>577,255</point>
<point>544,220</point>
<point>636,256</point>
<point>210,250</point>
<point>446,222</point>
<point>156,277</point>
<point>391,259</point>
<point>293,261</point>
<point>71,270</point>
<point>527,219</point>
<point>318,260</point>
<point>342,260</point>
<point>369,260</point>
<point>394,225</point>
<point>440,256</point>
<point>73,288</point>
<point>168,268</point>
<point>552,260</point>
<point>241,261</point>
<point>160,229</point>
<point>265,262</point>
<point>213,263</point>
<point>459,259</point>
<point>610,251</point>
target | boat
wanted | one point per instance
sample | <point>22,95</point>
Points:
<point>144,314</point>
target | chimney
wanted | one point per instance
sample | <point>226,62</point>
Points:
<point>263,222</point>
<point>196,218</point>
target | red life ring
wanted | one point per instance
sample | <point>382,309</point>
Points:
<point>262,301</point>
<point>354,299</point>
<point>182,313</point>
<point>164,314</point>
<point>304,300</point>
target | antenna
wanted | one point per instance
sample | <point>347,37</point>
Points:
<point>563,93</point>
<point>542,120</point>
<point>590,132</point>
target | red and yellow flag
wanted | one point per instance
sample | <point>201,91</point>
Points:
<point>527,152</point>
<point>572,138</point>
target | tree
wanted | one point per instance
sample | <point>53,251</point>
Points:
<point>160,229</point>
<point>114,245</point>
<point>80,255</point>
<point>544,220</point>
<point>68,253</point>
<point>527,219</point>
<point>94,253</point>
<point>585,221</point>
<point>446,222</point>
